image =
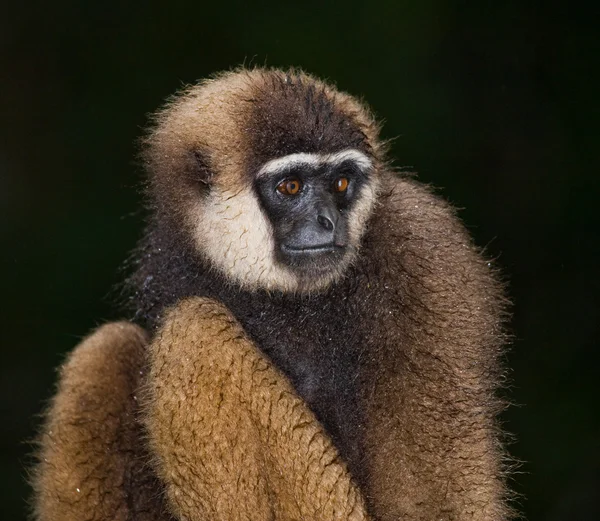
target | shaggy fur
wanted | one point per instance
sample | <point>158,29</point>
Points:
<point>398,359</point>
<point>226,437</point>
<point>93,465</point>
<point>231,438</point>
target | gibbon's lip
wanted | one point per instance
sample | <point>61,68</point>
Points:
<point>319,248</point>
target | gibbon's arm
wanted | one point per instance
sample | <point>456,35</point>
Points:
<point>431,441</point>
<point>231,438</point>
<point>91,463</point>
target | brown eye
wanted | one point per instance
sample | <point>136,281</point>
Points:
<point>289,186</point>
<point>341,184</point>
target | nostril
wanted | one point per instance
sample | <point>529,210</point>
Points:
<point>325,222</point>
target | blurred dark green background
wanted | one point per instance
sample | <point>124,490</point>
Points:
<point>496,103</point>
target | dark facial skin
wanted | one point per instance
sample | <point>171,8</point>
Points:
<point>308,207</point>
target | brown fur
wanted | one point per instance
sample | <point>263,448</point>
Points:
<point>92,462</point>
<point>431,442</point>
<point>395,363</point>
<point>231,438</point>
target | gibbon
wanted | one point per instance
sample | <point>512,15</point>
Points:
<point>316,336</point>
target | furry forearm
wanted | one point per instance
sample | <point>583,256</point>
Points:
<point>232,439</point>
<point>91,463</point>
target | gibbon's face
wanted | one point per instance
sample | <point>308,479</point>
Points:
<point>308,200</point>
<point>296,228</point>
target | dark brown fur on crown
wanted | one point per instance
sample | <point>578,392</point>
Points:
<point>293,113</point>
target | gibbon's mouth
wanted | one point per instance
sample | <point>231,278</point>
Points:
<point>311,250</point>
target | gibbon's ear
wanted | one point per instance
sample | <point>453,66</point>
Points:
<point>230,437</point>
<point>203,173</point>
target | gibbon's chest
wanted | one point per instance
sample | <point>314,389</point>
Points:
<point>318,343</point>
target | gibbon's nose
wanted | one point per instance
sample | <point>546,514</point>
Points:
<point>326,219</point>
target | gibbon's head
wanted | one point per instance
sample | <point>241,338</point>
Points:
<point>271,175</point>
